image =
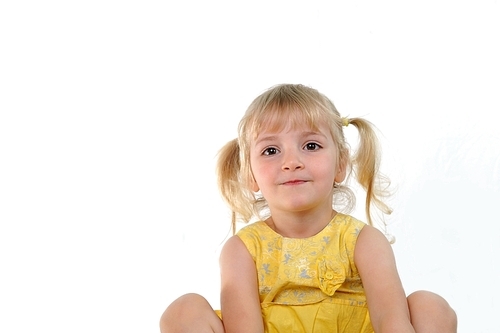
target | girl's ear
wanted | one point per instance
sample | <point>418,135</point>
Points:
<point>253,185</point>
<point>341,171</point>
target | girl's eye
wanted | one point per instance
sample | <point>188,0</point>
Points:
<point>312,146</point>
<point>270,151</point>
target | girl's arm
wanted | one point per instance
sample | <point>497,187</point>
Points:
<point>386,298</point>
<point>240,303</point>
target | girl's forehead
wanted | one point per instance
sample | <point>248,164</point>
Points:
<point>277,120</point>
<point>289,128</point>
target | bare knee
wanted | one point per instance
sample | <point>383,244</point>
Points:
<point>427,301</point>
<point>183,306</point>
<point>430,312</point>
<point>189,313</point>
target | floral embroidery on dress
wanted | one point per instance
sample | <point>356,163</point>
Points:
<point>265,267</point>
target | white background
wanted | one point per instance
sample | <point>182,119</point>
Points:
<point>112,112</point>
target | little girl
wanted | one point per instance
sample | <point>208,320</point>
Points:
<point>303,266</point>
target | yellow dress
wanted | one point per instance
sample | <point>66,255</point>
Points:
<point>309,284</point>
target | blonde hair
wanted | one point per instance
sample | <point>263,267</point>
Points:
<point>295,105</point>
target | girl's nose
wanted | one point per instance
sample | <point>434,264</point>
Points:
<point>291,161</point>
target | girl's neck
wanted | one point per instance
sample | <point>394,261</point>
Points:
<point>300,225</point>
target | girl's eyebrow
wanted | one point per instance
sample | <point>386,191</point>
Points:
<point>266,138</point>
<point>275,137</point>
<point>308,133</point>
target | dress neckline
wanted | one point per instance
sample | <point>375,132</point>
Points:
<point>266,226</point>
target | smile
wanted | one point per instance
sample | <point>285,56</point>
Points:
<point>295,182</point>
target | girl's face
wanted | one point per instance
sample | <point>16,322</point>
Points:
<point>295,168</point>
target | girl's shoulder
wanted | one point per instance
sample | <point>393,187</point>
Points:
<point>347,222</point>
<point>344,231</point>
<point>255,228</point>
<point>255,235</point>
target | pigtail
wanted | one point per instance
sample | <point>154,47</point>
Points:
<point>365,164</point>
<point>229,182</point>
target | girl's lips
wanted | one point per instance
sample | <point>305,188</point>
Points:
<point>294,182</point>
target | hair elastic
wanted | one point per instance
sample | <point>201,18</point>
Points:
<point>345,121</point>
